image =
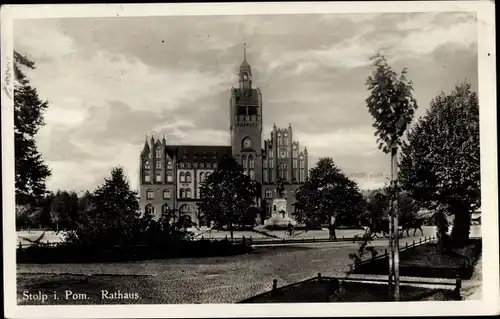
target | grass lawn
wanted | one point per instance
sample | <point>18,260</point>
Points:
<point>321,291</point>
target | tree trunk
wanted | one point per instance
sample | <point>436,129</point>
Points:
<point>231,231</point>
<point>461,227</point>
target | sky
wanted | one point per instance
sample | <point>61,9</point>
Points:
<point>111,81</point>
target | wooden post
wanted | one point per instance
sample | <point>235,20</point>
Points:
<point>420,241</point>
<point>275,284</point>
<point>406,245</point>
<point>458,286</point>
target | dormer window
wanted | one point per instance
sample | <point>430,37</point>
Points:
<point>146,165</point>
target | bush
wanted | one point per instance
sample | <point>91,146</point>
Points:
<point>73,253</point>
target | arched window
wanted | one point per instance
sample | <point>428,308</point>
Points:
<point>302,176</point>
<point>158,153</point>
<point>188,193</point>
<point>202,177</point>
<point>202,165</point>
<point>252,175</point>
<point>250,162</point>
<point>302,164</point>
<point>169,165</point>
<point>158,164</point>
<point>150,194</point>
<point>146,165</point>
<point>182,177</point>
<point>185,209</point>
<point>166,194</point>
<point>149,209</point>
<point>164,208</point>
<point>265,176</point>
<point>182,193</point>
<point>188,165</point>
<point>244,161</point>
<point>188,177</point>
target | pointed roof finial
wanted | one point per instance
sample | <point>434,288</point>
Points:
<point>245,51</point>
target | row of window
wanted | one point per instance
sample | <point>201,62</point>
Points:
<point>283,174</point>
<point>294,162</point>
<point>183,177</point>
<point>169,179</point>
<point>183,193</point>
<point>187,193</point>
<point>147,165</point>
<point>150,194</point>
<point>248,163</point>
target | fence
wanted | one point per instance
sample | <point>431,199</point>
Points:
<point>337,283</point>
<point>401,249</point>
<point>281,241</point>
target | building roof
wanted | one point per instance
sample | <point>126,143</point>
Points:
<point>198,153</point>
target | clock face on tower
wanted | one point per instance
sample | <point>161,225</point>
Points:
<point>247,143</point>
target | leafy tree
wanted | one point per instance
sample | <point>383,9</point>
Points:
<point>30,170</point>
<point>27,216</point>
<point>112,215</point>
<point>440,164</point>
<point>390,103</point>
<point>227,197</point>
<point>326,196</point>
<point>392,107</point>
<point>170,228</point>
<point>65,209</point>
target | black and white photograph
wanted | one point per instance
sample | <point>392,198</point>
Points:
<point>240,156</point>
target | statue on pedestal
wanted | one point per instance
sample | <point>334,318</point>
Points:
<point>280,188</point>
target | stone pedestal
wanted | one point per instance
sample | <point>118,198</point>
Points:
<point>279,215</point>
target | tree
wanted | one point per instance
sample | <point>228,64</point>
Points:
<point>392,107</point>
<point>112,215</point>
<point>440,164</point>
<point>326,196</point>
<point>30,170</point>
<point>27,216</point>
<point>228,196</point>
<point>65,210</point>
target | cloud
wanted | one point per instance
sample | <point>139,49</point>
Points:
<point>109,81</point>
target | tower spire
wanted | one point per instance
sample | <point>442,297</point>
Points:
<point>245,51</point>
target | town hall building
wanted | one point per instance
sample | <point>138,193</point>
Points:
<point>171,175</point>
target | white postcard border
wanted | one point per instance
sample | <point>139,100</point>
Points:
<point>487,97</point>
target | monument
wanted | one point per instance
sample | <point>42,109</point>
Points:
<point>279,215</point>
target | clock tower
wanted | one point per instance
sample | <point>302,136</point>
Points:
<point>246,123</point>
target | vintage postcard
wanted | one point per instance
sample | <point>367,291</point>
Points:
<point>249,159</point>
